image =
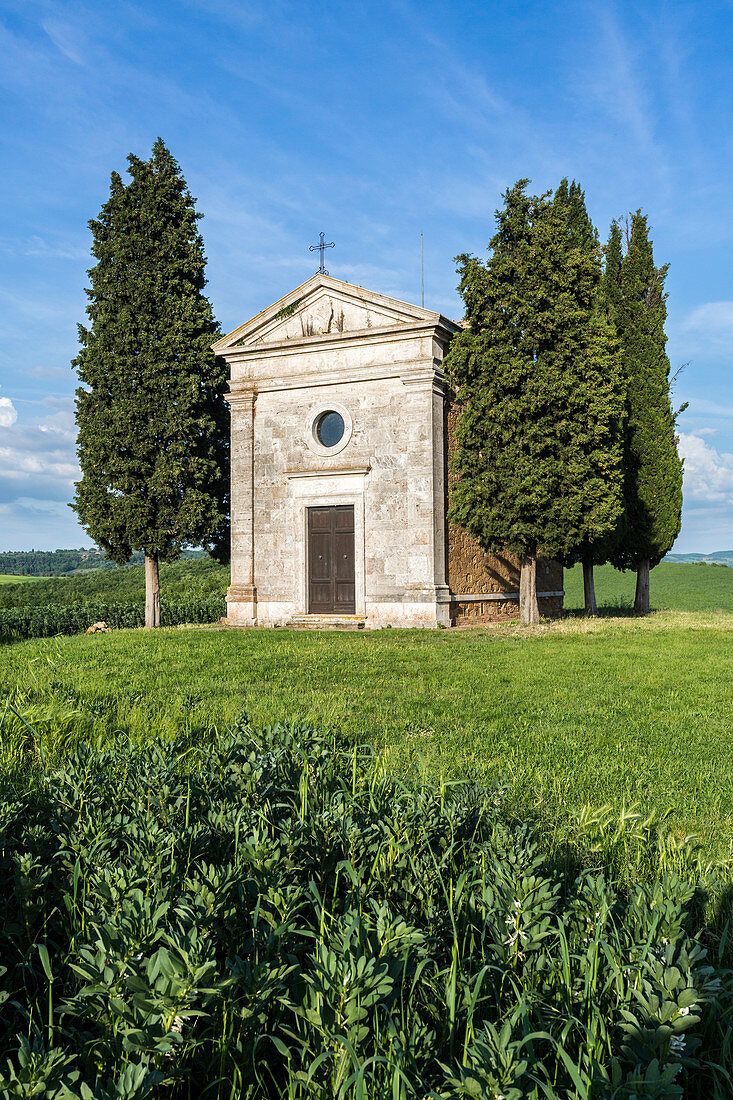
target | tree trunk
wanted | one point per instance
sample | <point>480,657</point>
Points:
<point>589,589</point>
<point>529,610</point>
<point>641,600</point>
<point>152,590</point>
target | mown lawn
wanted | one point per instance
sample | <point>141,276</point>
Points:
<point>619,711</point>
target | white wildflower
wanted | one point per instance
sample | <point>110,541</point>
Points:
<point>515,936</point>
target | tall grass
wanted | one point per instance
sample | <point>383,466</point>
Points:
<point>269,913</point>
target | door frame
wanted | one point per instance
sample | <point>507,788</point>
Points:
<point>322,491</point>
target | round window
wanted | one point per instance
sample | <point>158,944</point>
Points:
<point>329,428</point>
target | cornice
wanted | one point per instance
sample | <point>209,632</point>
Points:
<point>407,371</point>
<point>240,394</point>
<point>333,471</point>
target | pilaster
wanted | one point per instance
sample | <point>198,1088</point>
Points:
<point>426,502</point>
<point>242,593</point>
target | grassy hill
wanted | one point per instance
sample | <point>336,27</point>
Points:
<point>719,557</point>
<point>674,587</point>
<point>61,563</point>
<point>190,577</point>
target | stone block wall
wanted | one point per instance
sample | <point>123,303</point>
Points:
<point>472,572</point>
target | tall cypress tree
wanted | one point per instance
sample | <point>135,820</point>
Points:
<point>652,466</point>
<point>581,234</point>
<point>151,417</point>
<point>539,399</point>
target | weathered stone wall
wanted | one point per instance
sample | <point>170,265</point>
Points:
<point>377,362</point>
<point>473,572</point>
<point>386,472</point>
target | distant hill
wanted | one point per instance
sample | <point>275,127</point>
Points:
<point>62,563</point>
<point>186,579</point>
<point>720,557</point>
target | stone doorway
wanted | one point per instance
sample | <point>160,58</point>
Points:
<point>331,576</point>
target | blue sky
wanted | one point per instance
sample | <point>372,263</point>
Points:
<point>374,122</point>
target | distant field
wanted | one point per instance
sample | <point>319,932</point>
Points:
<point>673,587</point>
<point>190,577</point>
<point>10,578</point>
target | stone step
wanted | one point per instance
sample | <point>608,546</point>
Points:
<point>327,622</point>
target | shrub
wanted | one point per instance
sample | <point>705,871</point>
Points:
<point>51,619</point>
<point>273,916</point>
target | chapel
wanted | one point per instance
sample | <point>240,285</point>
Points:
<point>341,436</point>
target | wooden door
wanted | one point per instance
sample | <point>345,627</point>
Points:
<point>331,577</point>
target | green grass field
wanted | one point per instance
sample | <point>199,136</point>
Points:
<point>673,587</point>
<point>617,711</point>
<point>14,579</point>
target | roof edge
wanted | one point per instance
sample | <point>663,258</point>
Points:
<point>416,313</point>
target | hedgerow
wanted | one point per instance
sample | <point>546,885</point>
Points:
<point>271,915</point>
<point>47,621</point>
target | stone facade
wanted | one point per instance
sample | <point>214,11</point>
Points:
<point>472,573</point>
<point>376,362</point>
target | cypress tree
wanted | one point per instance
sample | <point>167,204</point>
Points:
<point>539,399</point>
<point>652,466</point>
<point>151,417</point>
<point>581,234</point>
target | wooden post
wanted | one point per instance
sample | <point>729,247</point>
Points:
<point>152,590</point>
<point>589,589</point>
<point>641,599</point>
<point>529,610</point>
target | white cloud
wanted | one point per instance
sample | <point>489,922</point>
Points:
<point>8,413</point>
<point>708,473</point>
<point>38,468</point>
<point>19,465</point>
<point>63,37</point>
<point>41,455</point>
<point>61,423</point>
<point>706,331</point>
<point>714,318</point>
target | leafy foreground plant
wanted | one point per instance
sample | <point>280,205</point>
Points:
<point>269,916</point>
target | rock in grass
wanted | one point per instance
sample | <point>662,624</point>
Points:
<point>99,628</point>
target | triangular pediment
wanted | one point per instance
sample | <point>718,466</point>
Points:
<point>324,307</point>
